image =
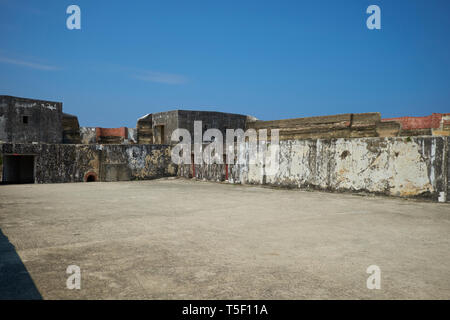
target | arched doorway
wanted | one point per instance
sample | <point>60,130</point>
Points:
<point>90,177</point>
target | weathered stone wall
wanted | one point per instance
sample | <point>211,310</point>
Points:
<point>132,135</point>
<point>71,129</point>
<point>138,162</point>
<point>437,124</point>
<point>111,135</point>
<point>354,125</point>
<point>96,135</point>
<point>210,120</point>
<point>149,126</point>
<point>88,135</point>
<point>58,163</point>
<point>144,128</point>
<point>407,167</point>
<point>27,120</point>
<point>169,121</point>
<point>448,170</point>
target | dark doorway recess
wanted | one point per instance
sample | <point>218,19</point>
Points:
<point>90,177</point>
<point>18,169</point>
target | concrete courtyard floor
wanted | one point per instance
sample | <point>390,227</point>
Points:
<point>182,239</point>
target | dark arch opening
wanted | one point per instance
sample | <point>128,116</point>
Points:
<point>90,178</point>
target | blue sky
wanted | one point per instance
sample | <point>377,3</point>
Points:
<point>270,59</point>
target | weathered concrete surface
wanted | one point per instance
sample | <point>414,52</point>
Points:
<point>144,128</point>
<point>29,120</point>
<point>210,120</point>
<point>437,124</point>
<point>405,167</point>
<point>132,136</point>
<point>395,166</point>
<point>158,127</point>
<point>163,124</point>
<point>71,129</point>
<point>141,161</point>
<point>166,239</point>
<point>349,125</point>
<point>88,135</point>
<point>97,135</point>
<point>57,163</point>
<point>111,135</point>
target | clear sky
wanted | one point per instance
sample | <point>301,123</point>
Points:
<point>270,59</point>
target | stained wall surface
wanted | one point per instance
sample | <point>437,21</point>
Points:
<point>210,120</point>
<point>144,130</point>
<point>71,129</point>
<point>437,124</point>
<point>158,127</point>
<point>163,124</point>
<point>351,125</point>
<point>28,120</point>
<point>58,163</point>
<point>407,167</point>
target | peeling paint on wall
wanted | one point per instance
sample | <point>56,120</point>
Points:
<point>88,135</point>
<point>392,166</point>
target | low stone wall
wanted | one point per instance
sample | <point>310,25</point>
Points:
<point>448,169</point>
<point>30,120</point>
<point>88,135</point>
<point>58,163</point>
<point>406,167</point>
<point>97,135</point>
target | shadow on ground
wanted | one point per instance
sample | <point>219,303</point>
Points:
<point>15,281</point>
